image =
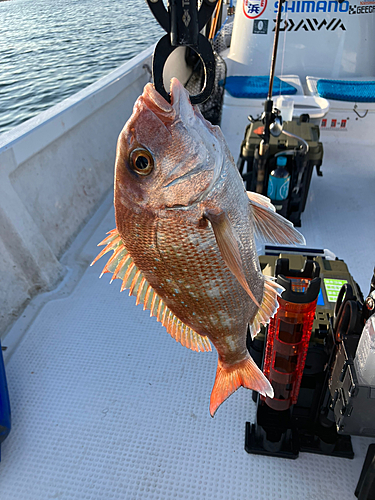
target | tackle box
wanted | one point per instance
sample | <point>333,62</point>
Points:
<point>300,167</point>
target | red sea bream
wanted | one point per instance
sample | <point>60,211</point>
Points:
<point>184,238</point>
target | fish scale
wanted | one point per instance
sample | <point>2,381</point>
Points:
<point>197,269</point>
<point>172,250</point>
<point>184,238</point>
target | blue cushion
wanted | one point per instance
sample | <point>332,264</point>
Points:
<point>346,90</point>
<point>256,86</point>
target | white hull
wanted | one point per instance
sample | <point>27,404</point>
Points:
<point>105,404</point>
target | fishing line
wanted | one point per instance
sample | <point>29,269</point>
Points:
<point>284,48</point>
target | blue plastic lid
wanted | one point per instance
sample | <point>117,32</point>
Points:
<point>281,161</point>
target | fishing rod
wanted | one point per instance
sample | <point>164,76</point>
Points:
<point>270,118</point>
<point>215,20</point>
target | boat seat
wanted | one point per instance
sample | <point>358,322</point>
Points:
<point>352,105</point>
<point>354,90</point>
<point>239,95</point>
<point>256,87</point>
<point>346,90</point>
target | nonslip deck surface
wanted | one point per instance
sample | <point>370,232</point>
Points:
<point>106,405</point>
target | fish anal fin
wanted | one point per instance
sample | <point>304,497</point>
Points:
<point>185,335</point>
<point>226,239</point>
<point>230,377</point>
<point>268,306</point>
<point>270,226</point>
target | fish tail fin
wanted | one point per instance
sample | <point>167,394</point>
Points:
<point>230,377</point>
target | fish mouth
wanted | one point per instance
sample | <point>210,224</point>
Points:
<point>162,108</point>
<point>156,102</point>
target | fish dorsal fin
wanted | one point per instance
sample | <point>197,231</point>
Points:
<point>122,267</point>
<point>268,306</point>
<point>271,226</point>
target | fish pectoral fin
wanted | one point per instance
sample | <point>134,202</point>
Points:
<point>227,241</point>
<point>268,306</point>
<point>230,378</point>
<point>269,225</point>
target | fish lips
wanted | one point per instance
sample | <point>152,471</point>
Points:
<point>157,104</point>
<point>180,104</point>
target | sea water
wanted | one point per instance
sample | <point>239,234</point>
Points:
<point>51,49</point>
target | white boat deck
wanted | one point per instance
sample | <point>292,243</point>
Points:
<point>106,405</point>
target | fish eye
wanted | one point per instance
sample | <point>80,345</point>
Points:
<point>141,161</point>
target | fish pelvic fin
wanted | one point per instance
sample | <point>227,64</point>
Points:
<point>121,265</point>
<point>269,225</point>
<point>230,377</point>
<point>268,306</point>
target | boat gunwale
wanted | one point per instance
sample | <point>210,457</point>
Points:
<point>35,134</point>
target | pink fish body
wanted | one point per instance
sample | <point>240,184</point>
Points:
<point>184,239</point>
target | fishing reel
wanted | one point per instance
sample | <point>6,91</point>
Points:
<point>348,314</point>
<point>351,313</point>
<point>275,122</point>
<point>183,23</point>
